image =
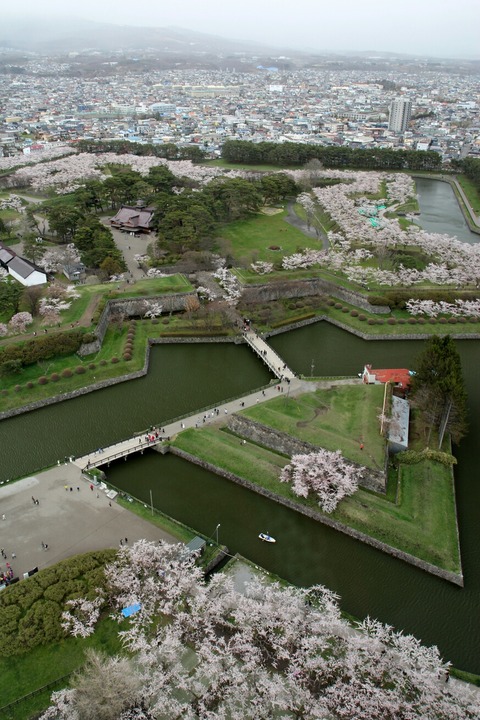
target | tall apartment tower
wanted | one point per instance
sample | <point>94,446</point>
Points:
<point>400,111</point>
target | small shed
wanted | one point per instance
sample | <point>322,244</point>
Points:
<point>74,272</point>
<point>195,547</point>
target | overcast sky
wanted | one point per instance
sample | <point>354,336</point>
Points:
<point>444,28</point>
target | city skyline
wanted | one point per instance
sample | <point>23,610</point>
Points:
<point>447,30</point>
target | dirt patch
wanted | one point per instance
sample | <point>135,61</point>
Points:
<point>318,411</point>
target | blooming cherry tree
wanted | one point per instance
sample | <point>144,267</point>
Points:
<point>326,473</point>
<point>207,651</point>
<point>19,322</point>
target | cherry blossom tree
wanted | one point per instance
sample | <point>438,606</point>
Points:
<point>210,652</point>
<point>326,473</point>
<point>19,322</point>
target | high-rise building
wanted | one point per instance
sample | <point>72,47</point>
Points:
<point>400,111</point>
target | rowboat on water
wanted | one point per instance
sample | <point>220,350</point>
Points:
<point>267,538</point>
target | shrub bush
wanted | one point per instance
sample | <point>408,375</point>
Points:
<point>362,317</point>
<point>114,359</point>
<point>452,320</point>
<point>380,321</point>
<point>29,385</point>
<point>165,321</point>
<point>338,306</point>
<point>371,321</point>
<point>354,313</point>
<point>345,309</point>
<point>54,377</point>
<point>442,321</point>
<point>421,321</point>
<point>391,321</point>
<point>91,366</point>
<point>103,362</point>
<point>89,337</point>
<point>401,321</point>
<point>462,319</point>
<point>4,392</point>
<point>18,388</point>
<point>67,373</point>
<point>42,380</point>
<point>330,302</point>
<point>126,356</point>
<point>154,321</point>
<point>79,369</point>
<point>432,321</point>
<point>412,321</point>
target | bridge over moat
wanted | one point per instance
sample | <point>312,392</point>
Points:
<point>286,383</point>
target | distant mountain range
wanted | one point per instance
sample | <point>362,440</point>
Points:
<point>67,34</point>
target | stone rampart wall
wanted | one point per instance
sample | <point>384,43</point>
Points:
<point>285,444</point>
<point>457,579</point>
<point>267,292</point>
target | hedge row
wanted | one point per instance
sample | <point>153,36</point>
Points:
<point>397,298</point>
<point>31,610</point>
<point>291,320</point>
<point>43,348</point>
<point>412,457</point>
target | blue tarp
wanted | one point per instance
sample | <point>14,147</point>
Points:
<point>126,612</point>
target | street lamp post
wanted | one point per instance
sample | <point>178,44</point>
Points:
<point>216,532</point>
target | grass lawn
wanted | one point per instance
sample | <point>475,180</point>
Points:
<point>251,238</point>
<point>22,674</point>
<point>249,168</point>
<point>339,418</point>
<point>418,519</point>
<point>471,192</point>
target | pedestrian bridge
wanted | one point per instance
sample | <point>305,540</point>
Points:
<point>268,355</point>
<point>287,382</point>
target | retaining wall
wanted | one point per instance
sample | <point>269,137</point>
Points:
<point>285,444</point>
<point>265,292</point>
<point>454,578</point>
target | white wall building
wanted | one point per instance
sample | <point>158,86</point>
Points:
<point>400,111</point>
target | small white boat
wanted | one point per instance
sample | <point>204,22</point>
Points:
<point>267,538</point>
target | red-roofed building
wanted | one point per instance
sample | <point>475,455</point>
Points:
<point>401,377</point>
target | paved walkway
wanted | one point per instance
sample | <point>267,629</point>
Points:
<point>70,522</point>
<point>268,355</point>
<point>103,456</point>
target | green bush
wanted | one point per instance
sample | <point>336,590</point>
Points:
<point>79,369</point>
<point>354,313</point>
<point>126,356</point>
<point>18,388</point>
<point>344,309</point>
<point>371,321</point>
<point>391,321</point>
<point>114,359</point>
<point>42,348</point>
<point>31,610</point>
<point>362,318</point>
<point>338,306</point>
<point>412,321</point>
<point>91,366</point>
<point>54,377</point>
<point>29,385</point>
<point>452,320</point>
<point>103,362</point>
<point>330,302</point>
<point>67,373</point>
<point>378,300</point>
<point>42,380</point>
<point>412,457</point>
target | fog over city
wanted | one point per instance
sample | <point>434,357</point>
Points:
<point>421,27</point>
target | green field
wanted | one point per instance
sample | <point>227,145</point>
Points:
<point>339,418</point>
<point>249,240</point>
<point>417,515</point>
<point>471,192</point>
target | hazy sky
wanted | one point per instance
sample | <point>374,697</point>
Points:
<point>447,28</point>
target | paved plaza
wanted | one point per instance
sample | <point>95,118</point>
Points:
<point>68,521</point>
